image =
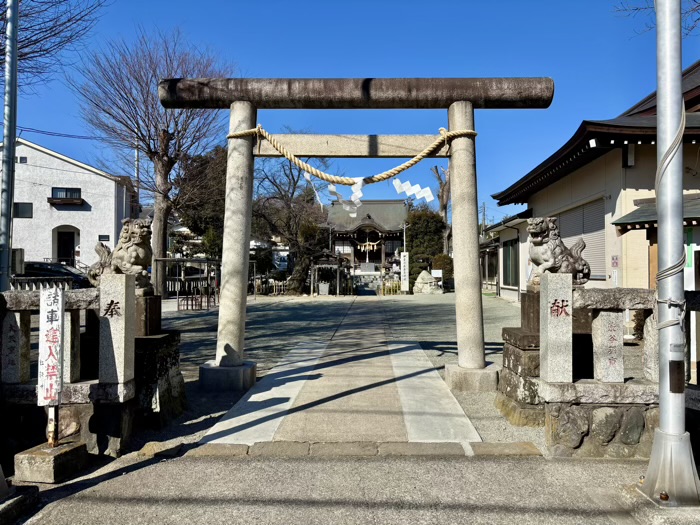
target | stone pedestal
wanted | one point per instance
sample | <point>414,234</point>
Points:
<point>556,335</point>
<point>148,315</point>
<point>517,399</point>
<point>227,378</point>
<point>530,311</point>
<point>472,379</point>
<point>160,387</point>
<point>71,339</point>
<point>607,332</point>
<point>43,464</point>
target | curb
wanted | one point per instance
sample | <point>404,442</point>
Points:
<point>290,449</point>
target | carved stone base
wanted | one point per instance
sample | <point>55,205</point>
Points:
<point>148,315</point>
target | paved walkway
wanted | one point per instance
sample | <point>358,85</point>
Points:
<point>356,388</point>
<point>277,457</point>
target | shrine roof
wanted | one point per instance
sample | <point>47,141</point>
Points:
<point>382,215</point>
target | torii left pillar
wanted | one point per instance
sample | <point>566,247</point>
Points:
<point>229,370</point>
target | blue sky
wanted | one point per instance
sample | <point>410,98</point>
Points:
<point>600,61</point>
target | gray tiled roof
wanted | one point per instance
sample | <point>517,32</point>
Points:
<point>386,215</point>
<point>646,213</point>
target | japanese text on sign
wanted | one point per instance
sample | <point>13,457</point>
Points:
<point>50,346</point>
<point>112,309</point>
<point>404,272</point>
<point>559,307</point>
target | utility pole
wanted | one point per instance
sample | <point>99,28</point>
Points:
<point>671,479</point>
<point>8,150</point>
<point>137,172</point>
<point>8,164</point>
<point>483,219</point>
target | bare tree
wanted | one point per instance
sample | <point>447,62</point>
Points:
<point>285,205</point>
<point>443,177</point>
<point>118,92</point>
<point>690,13</point>
<point>46,30</point>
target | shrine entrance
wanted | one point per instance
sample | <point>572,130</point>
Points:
<point>459,96</point>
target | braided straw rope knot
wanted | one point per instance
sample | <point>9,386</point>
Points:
<point>443,140</point>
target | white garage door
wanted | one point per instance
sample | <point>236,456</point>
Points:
<point>587,221</point>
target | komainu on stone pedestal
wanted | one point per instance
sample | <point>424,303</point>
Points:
<point>549,254</point>
<point>131,256</point>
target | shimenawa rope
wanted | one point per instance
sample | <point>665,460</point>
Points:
<point>444,139</point>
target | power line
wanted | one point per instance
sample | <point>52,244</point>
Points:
<point>56,133</point>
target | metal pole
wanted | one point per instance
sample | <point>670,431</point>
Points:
<point>671,479</point>
<point>9,135</point>
<point>137,172</point>
<point>404,236</point>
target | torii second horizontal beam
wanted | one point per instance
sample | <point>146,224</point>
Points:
<point>356,93</point>
<point>350,146</point>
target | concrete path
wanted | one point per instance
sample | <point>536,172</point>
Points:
<point>357,388</point>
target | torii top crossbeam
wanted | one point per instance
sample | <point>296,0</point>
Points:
<point>356,93</point>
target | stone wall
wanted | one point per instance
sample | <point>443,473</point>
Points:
<point>596,431</point>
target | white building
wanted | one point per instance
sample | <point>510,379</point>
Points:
<point>600,186</point>
<point>63,208</point>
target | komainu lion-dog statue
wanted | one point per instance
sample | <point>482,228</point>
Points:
<point>132,255</point>
<point>549,254</point>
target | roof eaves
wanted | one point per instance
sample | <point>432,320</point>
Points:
<point>553,163</point>
<point>509,222</point>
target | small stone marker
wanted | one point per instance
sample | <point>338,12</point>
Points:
<point>556,316</point>
<point>50,347</point>
<point>117,323</point>
<point>608,365</point>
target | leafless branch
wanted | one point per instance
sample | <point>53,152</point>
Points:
<point>690,13</point>
<point>48,30</point>
<point>118,91</point>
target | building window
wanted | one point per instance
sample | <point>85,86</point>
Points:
<point>23,210</point>
<point>21,160</point>
<point>392,246</point>
<point>103,238</point>
<point>343,246</point>
<point>511,273</point>
<point>65,193</point>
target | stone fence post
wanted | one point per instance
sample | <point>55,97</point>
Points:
<point>15,347</point>
<point>117,324</point>
<point>556,328</point>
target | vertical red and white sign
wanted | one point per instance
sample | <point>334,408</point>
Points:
<point>50,346</point>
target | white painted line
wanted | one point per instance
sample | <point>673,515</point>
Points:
<point>258,414</point>
<point>431,412</point>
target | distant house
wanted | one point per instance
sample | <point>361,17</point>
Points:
<point>600,186</point>
<point>63,208</point>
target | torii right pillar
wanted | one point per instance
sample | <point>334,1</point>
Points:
<point>470,374</point>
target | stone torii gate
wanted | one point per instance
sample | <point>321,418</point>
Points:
<point>460,96</point>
